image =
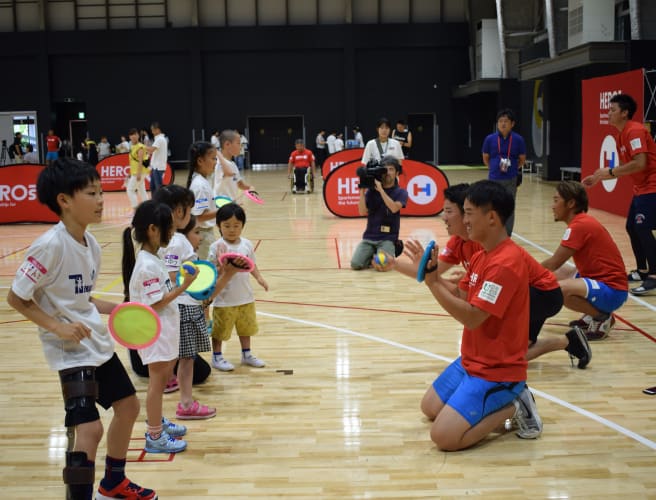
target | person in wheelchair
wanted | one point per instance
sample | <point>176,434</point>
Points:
<point>302,163</point>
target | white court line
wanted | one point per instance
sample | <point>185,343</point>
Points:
<point>535,245</point>
<point>593,416</point>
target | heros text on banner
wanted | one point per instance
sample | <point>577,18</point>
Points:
<point>18,199</point>
<point>424,182</point>
<point>114,169</point>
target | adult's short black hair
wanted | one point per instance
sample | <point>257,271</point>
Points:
<point>457,194</point>
<point>383,121</point>
<point>391,160</point>
<point>491,195</point>
<point>507,112</point>
<point>625,103</point>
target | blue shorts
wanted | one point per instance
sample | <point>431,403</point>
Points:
<point>473,397</point>
<point>52,155</point>
<point>603,297</point>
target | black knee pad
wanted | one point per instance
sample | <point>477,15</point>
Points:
<point>80,391</point>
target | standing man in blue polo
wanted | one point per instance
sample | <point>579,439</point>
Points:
<point>504,153</point>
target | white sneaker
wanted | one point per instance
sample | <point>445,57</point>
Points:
<point>222,364</point>
<point>294,189</point>
<point>526,415</point>
<point>251,360</point>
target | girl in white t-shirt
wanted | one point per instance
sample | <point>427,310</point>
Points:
<point>148,282</point>
<point>234,306</point>
<point>193,328</point>
<point>202,158</point>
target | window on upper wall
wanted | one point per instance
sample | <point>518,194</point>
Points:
<point>65,15</point>
<point>622,21</point>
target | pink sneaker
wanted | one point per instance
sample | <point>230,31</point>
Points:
<point>171,385</point>
<point>195,412</point>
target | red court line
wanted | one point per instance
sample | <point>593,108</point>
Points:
<point>257,245</point>
<point>637,329</point>
<point>356,308</point>
<point>339,262</point>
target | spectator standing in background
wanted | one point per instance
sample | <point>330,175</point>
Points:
<point>159,154</point>
<point>53,143</point>
<point>330,143</point>
<point>357,135</point>
<point>402,134</point>
<point>320,143</point>
<point>504,153</point>
<point>104,148</point>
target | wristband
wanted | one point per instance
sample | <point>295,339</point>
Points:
<point>610,171</point>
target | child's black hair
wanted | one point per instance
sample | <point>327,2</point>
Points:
<point>66,176</point>
<point>175,196</point>
<point>229,210</point>
<point>149,213</point>
<point>189,227</point>
<point>197,150</point>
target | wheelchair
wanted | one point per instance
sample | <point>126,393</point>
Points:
<point>309,181</point>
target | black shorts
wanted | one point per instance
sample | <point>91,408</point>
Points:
<point>543,304</point>
<point>114,384</point>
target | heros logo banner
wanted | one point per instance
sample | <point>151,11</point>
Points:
<point>425,184</point>
<point>114,169</point>
<point>598,145</point>
<point>339,158</point>
<point>18,199</point>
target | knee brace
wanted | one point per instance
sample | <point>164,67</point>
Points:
<point>78,475</point>
<point>80,391</point>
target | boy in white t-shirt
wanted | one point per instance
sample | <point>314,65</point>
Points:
<point>52,288</point>
<point>227,177</point>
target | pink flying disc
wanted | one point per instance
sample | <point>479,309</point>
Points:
<point>231,256</point>
<point>254,196</point>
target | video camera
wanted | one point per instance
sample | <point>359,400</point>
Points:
<point>372,171</point>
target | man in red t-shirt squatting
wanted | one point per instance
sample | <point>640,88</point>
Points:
<point>598,286</point>
<point>637,159</point>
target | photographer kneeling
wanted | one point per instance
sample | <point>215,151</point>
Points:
<point>381,200</point>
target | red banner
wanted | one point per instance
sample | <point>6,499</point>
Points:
<point>18,200</point>
<point>599,148</point>
<point>425,184</point>
<point>339,158</point>
<point>114,169</point>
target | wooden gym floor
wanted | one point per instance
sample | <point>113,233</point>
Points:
<point>363,347</point>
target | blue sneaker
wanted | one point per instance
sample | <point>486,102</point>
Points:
<point>173,430</point>
<point>164,444</point>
